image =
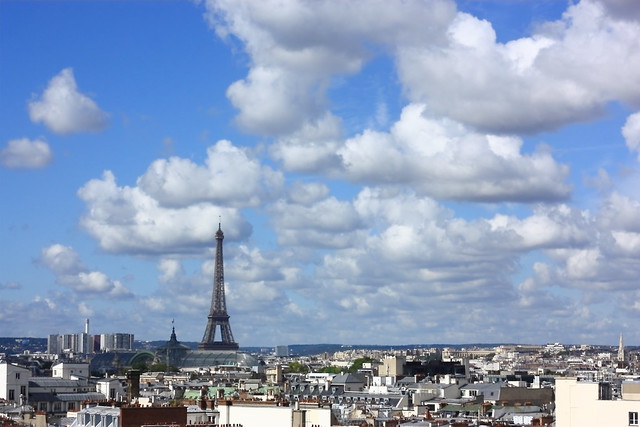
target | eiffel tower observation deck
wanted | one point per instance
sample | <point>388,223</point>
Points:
<point>218,317</point>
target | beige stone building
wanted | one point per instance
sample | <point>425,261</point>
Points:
<point>586,403</point>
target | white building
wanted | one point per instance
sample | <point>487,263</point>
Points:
<point>14,382</point>
<point>70,371</point>
<point>585,404</point>
<point>105,416</point>
<point>231,414</point>
<point>282,416</point>
<point>111,388</point>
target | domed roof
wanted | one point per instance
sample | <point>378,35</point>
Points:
<point>172,344</point>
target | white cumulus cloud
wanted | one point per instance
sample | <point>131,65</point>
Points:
<point>127,220</point>
<point>296,47</point>
<point>596,252</point>
<point>631,133</point>
<point>65,263</point>
<point>62,259</point>
<point>229,176</point>
<point>177,204</point>
<point>26,154</point>
<point>325,223</point>
<point>64,110</point>
<point>565,72</point>
<point>443,159</point>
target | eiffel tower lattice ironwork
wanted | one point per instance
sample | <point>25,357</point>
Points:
<point>218,316</point>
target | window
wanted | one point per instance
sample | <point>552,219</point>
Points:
<point>23,390</point>
<point>633,418</point>
<point>17,375</point>
<point>12,396</point>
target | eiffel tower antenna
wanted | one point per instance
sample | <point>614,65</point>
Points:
<point>218,316</point>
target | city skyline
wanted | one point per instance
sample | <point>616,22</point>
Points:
<point>384,172</point>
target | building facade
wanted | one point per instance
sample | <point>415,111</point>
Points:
<point>589,403</point>
<point>57,395</point>
<point>116,342</point>
<point>14,382</point>
<point>70,371</point>
<point>81,343</point>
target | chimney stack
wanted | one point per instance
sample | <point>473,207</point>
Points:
<point>133,380</point>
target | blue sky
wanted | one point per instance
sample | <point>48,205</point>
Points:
<point>386,172</point>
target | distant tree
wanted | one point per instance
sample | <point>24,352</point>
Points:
<point>330,370</point>
<point>357,364</point>
<point>162,367</point>
<point>298,368</point>
<point>140,365</point>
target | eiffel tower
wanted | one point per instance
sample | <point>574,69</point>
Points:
<point>218,314</point>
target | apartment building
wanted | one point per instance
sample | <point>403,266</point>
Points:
<point>590,403</point>
<point>14,382</point>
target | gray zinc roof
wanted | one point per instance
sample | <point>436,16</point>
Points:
<point>346,379</point>
<point>482,387</point>
<point>51,382</point>
<point>66,397</point>
<point>75,397</point>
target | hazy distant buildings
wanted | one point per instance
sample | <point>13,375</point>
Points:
<point>81,343</point>
<point>84,343</point>
<point>282,350</point>
<point>116,342</point>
